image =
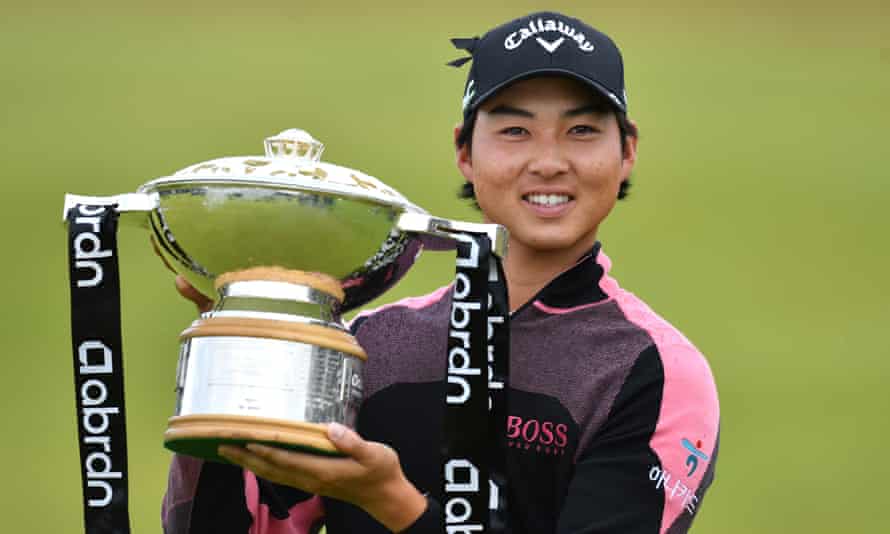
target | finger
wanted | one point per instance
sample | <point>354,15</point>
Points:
<point>349,442</point>
<point>257,464</point>
<point>311,473</point>
<point>188,291</point>
<point>345,439</point>
<point>231,453</point>
<point>299,461</point>
<point>283,457</point>
<point>319,473</point>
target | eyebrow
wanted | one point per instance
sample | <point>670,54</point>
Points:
<point>510,110</point>
<point>595,109</point>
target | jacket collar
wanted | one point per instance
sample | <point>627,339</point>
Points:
<point>577,286</point>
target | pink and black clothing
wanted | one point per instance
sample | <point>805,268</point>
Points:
<point>612,427</point>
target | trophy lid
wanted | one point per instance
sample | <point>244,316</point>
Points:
<point>292,160</point>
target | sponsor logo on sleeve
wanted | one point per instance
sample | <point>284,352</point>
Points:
<point>692,459</point>
<point>673,487</point>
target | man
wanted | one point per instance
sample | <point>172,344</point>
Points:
<point>613,418</point>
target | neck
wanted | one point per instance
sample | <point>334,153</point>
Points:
<point>528,271</point>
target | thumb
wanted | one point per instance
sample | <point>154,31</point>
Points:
<point>349,442</point>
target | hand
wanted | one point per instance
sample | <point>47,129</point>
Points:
<point>370,476</point>
<point>188,291</point>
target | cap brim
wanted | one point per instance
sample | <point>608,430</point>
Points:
<point>611,97</point>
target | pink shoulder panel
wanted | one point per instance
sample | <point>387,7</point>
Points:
<point>686,433</point>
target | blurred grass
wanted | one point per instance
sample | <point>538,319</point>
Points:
<point>757,223</point>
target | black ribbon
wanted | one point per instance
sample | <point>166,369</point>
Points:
<point>498,355</point>
<point>98,367</point>
<point>474,471</point>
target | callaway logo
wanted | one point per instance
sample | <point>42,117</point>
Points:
<point>535,27</point>
<point>550,47</point>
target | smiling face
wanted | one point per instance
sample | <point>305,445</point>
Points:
<point>547,162</point>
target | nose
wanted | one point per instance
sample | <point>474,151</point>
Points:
<point>548,160</point>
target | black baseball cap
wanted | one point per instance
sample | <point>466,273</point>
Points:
<point>540,44</point>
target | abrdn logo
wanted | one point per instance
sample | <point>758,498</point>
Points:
<point>88,246</point>
<point>96,359</point>
<point>544,437</point>
<point>462,310</point>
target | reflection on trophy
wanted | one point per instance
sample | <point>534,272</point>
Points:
<point>283,244</point>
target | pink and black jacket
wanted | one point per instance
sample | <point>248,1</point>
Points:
<point>612,427</point>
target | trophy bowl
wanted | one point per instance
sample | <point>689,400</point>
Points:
<point>283,244</point>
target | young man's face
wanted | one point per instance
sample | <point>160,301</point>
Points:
<point>546,162</point>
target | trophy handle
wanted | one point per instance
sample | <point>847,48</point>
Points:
<point>127,204</point>
<point>442,231</point>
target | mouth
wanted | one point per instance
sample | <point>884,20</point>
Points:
<point>548,200</point>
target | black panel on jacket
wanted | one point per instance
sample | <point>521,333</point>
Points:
<point>539,459</point>
<point>219,505</point>
<point>411,416</point>
<point>612,474</point>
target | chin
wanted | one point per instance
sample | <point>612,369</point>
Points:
<point>553,243</point>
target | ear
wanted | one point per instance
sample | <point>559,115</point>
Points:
<point>630,152</point>
<point>463,158</point>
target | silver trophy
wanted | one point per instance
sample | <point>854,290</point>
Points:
<point>284,244</point>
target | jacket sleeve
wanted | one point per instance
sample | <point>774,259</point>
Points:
<point>204,497</point>
<point>212,498</point>
<point>430,522</point>
<point>647,468</point>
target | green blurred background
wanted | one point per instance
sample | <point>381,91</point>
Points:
<point>757,223</point>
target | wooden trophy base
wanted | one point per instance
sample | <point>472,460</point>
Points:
<point>201,435</point>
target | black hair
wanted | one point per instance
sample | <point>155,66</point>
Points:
<point>465,137</point>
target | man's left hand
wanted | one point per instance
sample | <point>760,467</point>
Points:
<point>369,476</point>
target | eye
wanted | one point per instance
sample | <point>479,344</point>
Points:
<point>583,130</point>
<point>514,131</point>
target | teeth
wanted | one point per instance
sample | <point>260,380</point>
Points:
<point>547,200</point>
